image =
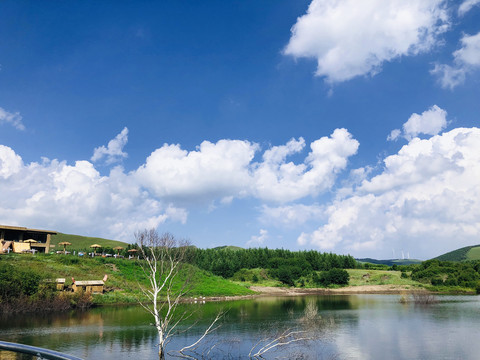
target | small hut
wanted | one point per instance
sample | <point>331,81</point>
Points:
<point>89,286</point>
<point>60,282</point>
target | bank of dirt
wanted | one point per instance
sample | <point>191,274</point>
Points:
<point>361,289</point>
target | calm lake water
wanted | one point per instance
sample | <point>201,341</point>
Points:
<point>352,327</point>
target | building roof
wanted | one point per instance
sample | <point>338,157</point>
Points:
<point>89,282</point>
<point>21,228</point>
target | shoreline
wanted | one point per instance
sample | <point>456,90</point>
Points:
<point>264,291</point>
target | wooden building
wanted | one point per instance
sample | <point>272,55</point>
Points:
<point>89,286</point>
<point>21,239</point>
<point>60,282</point>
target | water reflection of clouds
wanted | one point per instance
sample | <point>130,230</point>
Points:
<point>412,332</point>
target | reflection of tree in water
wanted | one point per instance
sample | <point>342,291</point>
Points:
<point>333,302</point>
<point>294,329</point>
<point>126,330</point>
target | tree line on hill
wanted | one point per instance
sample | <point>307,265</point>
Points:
<point>448,273</point>
<point>289,267</point>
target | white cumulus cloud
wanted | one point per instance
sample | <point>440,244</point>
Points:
<point>349,38</point>
<point>10,163</point>
<point>258,240</point>
<point>428,196</point>
<point>466,6</point>
<point>430,122</point>
<point>225,170</point>
<point>76,198</point>
<point>211,171</point>
<point>466,60</point>
<point>114,150</point>
<point>14,119</point>
<point>281,181</point>
<point>290,215</point>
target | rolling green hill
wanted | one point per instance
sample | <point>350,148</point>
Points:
<point>462,254</point>
<point>228,247</point>
<point>82,242</point>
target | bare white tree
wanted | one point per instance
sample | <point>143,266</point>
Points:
<point>163,259</point>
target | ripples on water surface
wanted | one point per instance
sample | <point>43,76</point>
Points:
<point>353,327</point>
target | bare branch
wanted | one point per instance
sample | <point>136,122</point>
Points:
<point>193,346</point>
<point>162,261</point>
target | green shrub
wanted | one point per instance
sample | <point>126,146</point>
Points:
<point>287,274</point>
<point>333,277</point>
<point>68,260</point>
<point>477,288</point>
<point>14,284</point>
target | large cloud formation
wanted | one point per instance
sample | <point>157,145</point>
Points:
<point>349,38</point>
<point>209,172</point>
<point>428,194</point>
<point>77,198</point>
<point>281,181</point>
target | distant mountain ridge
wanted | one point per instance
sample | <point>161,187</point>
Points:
<point>390,262</point>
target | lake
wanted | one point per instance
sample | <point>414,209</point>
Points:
<point>349,327</point>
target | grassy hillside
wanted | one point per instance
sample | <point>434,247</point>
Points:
<point>474,253</point>
<point>462,254</point>
<point>82,242</point>
<point>379,277</point>
<point>123,275</point>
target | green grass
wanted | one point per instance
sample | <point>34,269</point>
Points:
<point>124,276</point>
<point>450,290</point>
<point>473,253</point>
<point>82,242</point>
<point>379,277</point>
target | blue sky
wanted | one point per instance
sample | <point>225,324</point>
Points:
<point>334,125</point>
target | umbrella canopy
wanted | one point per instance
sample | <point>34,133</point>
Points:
<point>64,243</point>
<point>118,248</point>
<point>30,242</point>
<point>132,250</point>
<point>95,246</point>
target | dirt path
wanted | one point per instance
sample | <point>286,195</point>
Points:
<point>362,289</point>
